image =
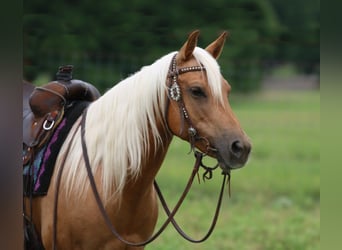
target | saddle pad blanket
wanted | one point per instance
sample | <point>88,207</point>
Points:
<point>37,176</point>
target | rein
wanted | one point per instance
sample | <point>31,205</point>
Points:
<point>174,94</point>
<point>199,157</point>
<point>170,214</point>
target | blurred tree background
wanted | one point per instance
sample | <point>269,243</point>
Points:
<point>108,40</point>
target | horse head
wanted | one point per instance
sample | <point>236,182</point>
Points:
<point>199,109</point>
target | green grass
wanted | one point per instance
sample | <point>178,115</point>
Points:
<point>275,201</point>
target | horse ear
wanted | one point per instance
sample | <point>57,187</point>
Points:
<point>215,48</point>
<point>185,52</point>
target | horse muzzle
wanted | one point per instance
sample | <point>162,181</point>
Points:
<point>233,155</point>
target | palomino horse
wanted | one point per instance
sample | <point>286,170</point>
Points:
<point>127,132</point>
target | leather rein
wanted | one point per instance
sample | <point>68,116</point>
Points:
<point>175,95</point>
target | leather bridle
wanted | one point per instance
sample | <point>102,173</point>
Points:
<point>174,95</point>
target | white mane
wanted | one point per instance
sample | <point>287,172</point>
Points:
<point>118,126</point>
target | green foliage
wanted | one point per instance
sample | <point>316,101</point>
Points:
<point>299,33</point>
<point>275,201</point>
<point>134,33</point>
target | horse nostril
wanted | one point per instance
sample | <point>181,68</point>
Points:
<point>237,148</point>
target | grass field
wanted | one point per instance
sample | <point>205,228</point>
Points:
<point>275,201</point>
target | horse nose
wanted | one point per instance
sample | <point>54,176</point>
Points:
<point>240,150</point>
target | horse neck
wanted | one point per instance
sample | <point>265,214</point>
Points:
<point>152,162</point>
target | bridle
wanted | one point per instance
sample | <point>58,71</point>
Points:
<point>174,95</point>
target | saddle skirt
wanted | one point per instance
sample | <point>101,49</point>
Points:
<point>38,171</point>
<point>45,108</point>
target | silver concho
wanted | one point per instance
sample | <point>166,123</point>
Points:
<point>192,131</point>
<point>175,93</point>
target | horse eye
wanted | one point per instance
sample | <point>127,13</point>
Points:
<point>197,92</point>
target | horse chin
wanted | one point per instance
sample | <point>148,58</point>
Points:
<point>226,167</point>
<point>227,164</point>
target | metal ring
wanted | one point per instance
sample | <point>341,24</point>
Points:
<point>45,127</point>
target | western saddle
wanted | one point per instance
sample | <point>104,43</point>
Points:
<point>43,107</point>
